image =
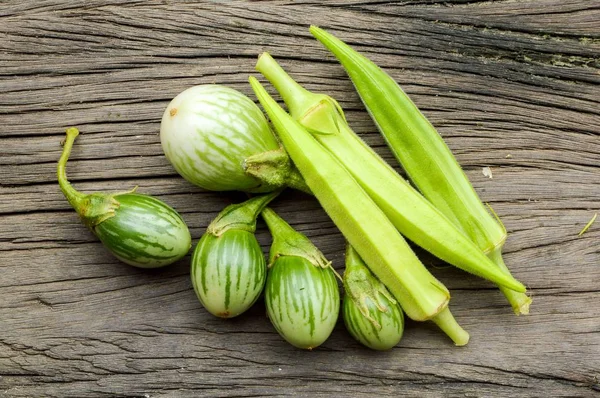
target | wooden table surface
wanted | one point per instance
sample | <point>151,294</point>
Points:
<point>511,85</point>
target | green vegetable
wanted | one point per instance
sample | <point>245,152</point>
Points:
<point>371,314</point>
<point>218,139</point>
<point>363,224</point>
<point>228,266</point>
<point>414,216</point>
<point>138,229</point>
<point>302,296</point>
<point>423,154</point>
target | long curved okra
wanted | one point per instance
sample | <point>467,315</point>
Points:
<point>416,143</point>
<point>413,215</point>
<point>363,224</point>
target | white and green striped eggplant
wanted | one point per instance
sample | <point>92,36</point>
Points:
<point>228,266</point>
<point>228,272</point>
<point>218,139</point>
<point>139,230</point>
<point>302,301</point>
<point>370,313</point>
<point>382,330</point>
<point>301,294</point>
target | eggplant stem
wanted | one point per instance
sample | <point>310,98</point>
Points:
<point>275,169</point>
<point>289,242</point>
<point>295,181</point>
<point>73,196</point>
<point>241,215</point>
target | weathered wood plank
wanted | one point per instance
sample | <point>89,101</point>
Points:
<point>548,17</point>
<point>181,346</point>
<point>510,85</point>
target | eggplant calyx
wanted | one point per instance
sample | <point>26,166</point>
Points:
<point>241,216</point>
<point>98,207</point>
<point>289,242</point>
<point>361,285</point>
<point>304,249</point>
<point>274,169</point>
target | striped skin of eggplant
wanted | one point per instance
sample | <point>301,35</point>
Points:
<point>301,294</point>
<point>144,232</point>
<point>228,272</point>
<point>390,321</point>
<point>302,301</point>
<point>228,267</point>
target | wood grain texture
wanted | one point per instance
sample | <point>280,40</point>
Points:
<point>511,85</point>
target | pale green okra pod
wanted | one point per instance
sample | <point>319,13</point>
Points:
<point>424,156</point>
<point>363,224</point>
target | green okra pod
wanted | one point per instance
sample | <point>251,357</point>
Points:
<point>424,156</point>
<point>363,224</point>
<point>413,215</point>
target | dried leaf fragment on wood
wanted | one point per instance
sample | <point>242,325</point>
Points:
<point>588,225</point>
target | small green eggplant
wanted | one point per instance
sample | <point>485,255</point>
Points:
<point>301,295</point>
<point>228,267</point>
<point>138,229</point>
<point>370,313</point>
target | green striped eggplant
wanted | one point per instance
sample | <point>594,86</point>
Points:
<point>301,293</point>
<point>218,139</point>
<point>139,230</point>
<point>370,313</point>
<point>228,266</point>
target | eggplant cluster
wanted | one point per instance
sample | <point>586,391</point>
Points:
<point>218,139</point>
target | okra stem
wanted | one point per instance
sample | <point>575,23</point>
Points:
<point>448,324</point>
<point>303,105</point>
<point>290,90</point>
<point>519,302</point>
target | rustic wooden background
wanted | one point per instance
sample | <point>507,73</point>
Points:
<point>511,85</point>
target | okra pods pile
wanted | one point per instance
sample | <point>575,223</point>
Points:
<point>219,139</point>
